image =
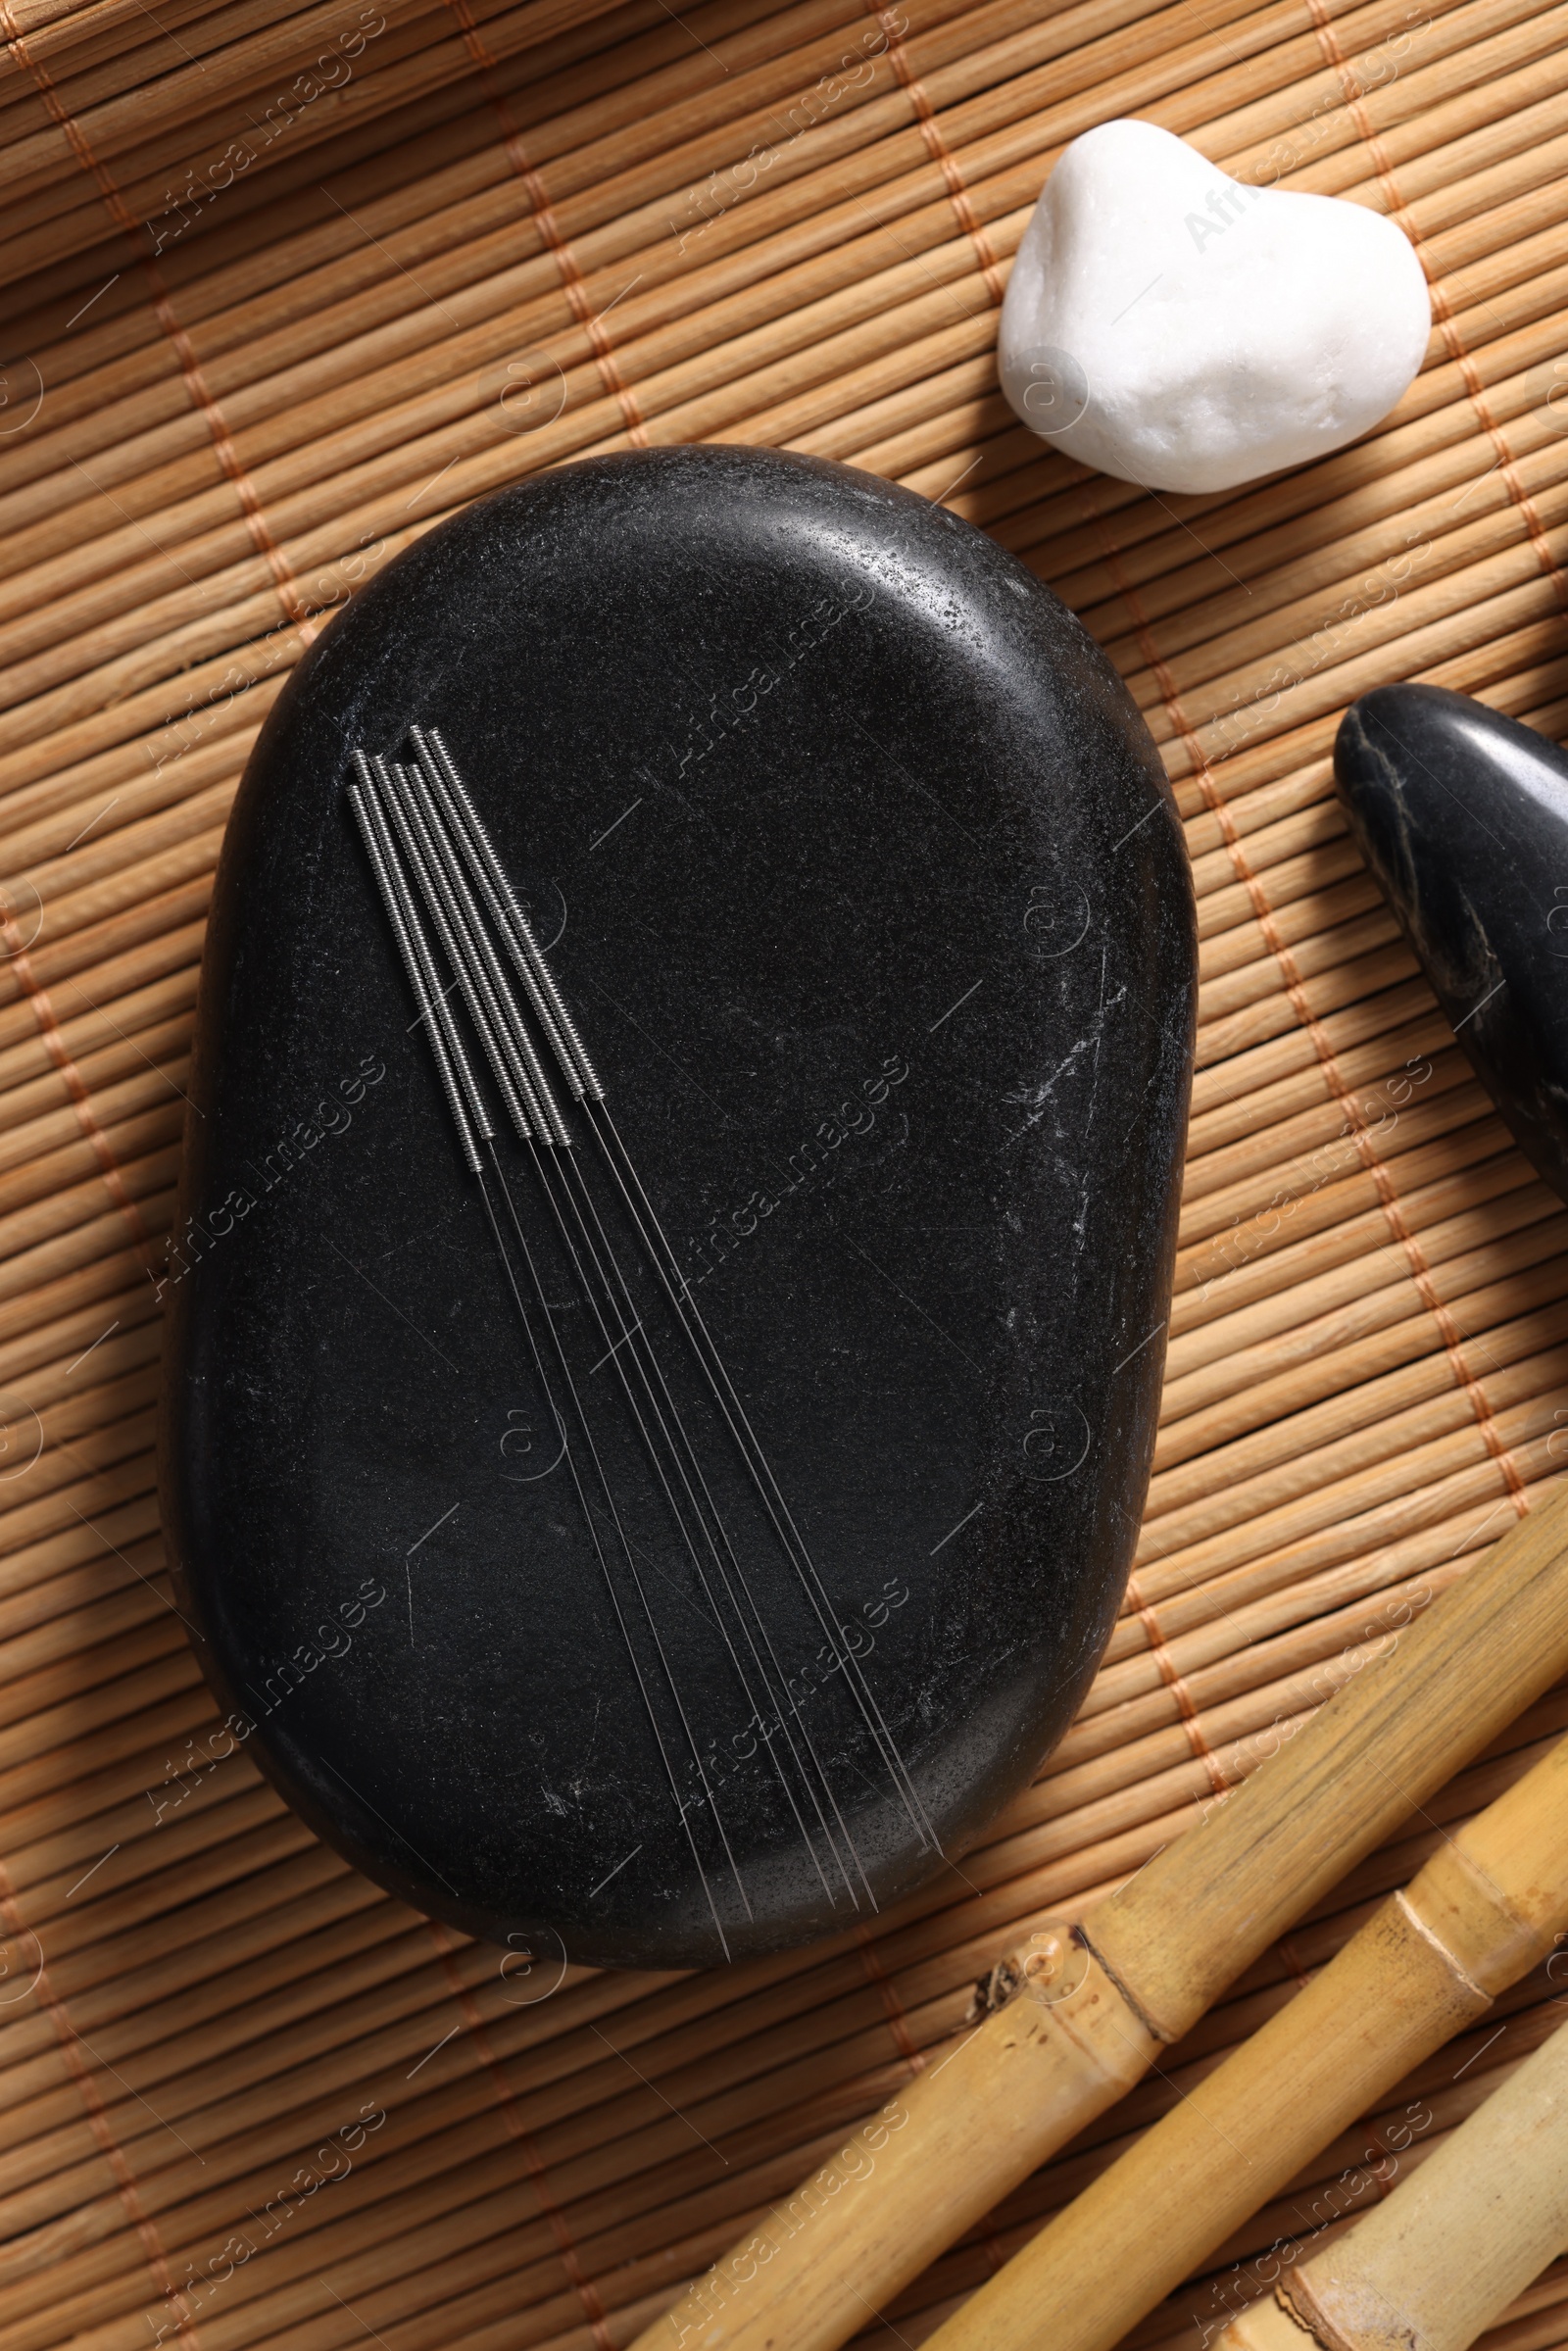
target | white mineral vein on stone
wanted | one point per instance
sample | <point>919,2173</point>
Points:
<point>1178,329</point>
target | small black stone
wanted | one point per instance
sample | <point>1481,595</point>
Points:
<point>861,875</point>
<point>1462,815</point>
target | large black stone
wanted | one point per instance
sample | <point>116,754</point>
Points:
<point>1462,814</point>
<point>865,886</point>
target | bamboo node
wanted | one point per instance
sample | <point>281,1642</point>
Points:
<point>1379,2326</point>
<point>1049,1966</point>
<point>1155,2031</point>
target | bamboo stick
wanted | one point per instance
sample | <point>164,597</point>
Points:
<point>1354,1430</point>
<point>1405,1129</point>
<point>1454,1518</point>
<point>1381,1037</point>
<point>781,2176</point>
<point>1422,535</point>
<point>1351,1367</point>
<point>1197,2306</point>
<point>1251,141</point>
<point>131,124</point>
<point>1484,1911</point>
<point>1370,1089</point>
<point>625,190</point>
<point>1044,2065</point>
<point>1348,929</point>
<point>401,66</point>
<point>1510,1203</point>
<point>108,28</point>
<point>1474,1286</point>
<point>1211,1281</point>
<point>1475,559</point>
<point>700,1988</point>
<point>1219,1093</point>
<point>1453,2246</point>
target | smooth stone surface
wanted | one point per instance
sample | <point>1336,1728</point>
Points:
<point>1462,814</point>
<point>863,878</point>
<point>1179,329</point>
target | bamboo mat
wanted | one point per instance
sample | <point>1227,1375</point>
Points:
<point>247,2099</point>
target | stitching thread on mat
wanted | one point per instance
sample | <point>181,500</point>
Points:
<point>566,261</point>
<point>114,203</point>
<point>1172,1679</point>
<point>892,2004</point>
<point>1322,1044</point>
<point>582,2285</point>
<point>1447,327</point>
<point>206,406</point>
<point>71,2049</point>
<point>228,459</point>
<point>43,1013</point>
<point>937,148</point>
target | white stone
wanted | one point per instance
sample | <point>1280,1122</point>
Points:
<point>1181,330</point>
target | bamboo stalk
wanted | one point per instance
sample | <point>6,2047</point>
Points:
<point>1489,1906</point>
<point>1453,2246</point>
<point>1044,2063</point>
<point>781,2172</point>
<point>781,2176</point>
<point>698,1994</point>
<point>1350,2181</point>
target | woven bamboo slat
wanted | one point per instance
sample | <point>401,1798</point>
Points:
<point>740,221</point>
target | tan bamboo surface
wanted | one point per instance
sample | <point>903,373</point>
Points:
<point>1489,1905</point>
<point>505,241</point>
<point>1081,2012</point>
<point>1454,2245</point>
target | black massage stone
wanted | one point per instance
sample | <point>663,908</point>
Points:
<point>740,1609</point>
<point>1462,815</point>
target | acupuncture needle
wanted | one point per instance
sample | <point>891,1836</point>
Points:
<point>532,1123</point>
<point>438,999</point>
<point>435,865</point>
<point>440,859</point>
<point>494,879</point>
<point>681,1298</point>
<point>572,1055</point>
<point>470,1117</point>
<point>491,878</point>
